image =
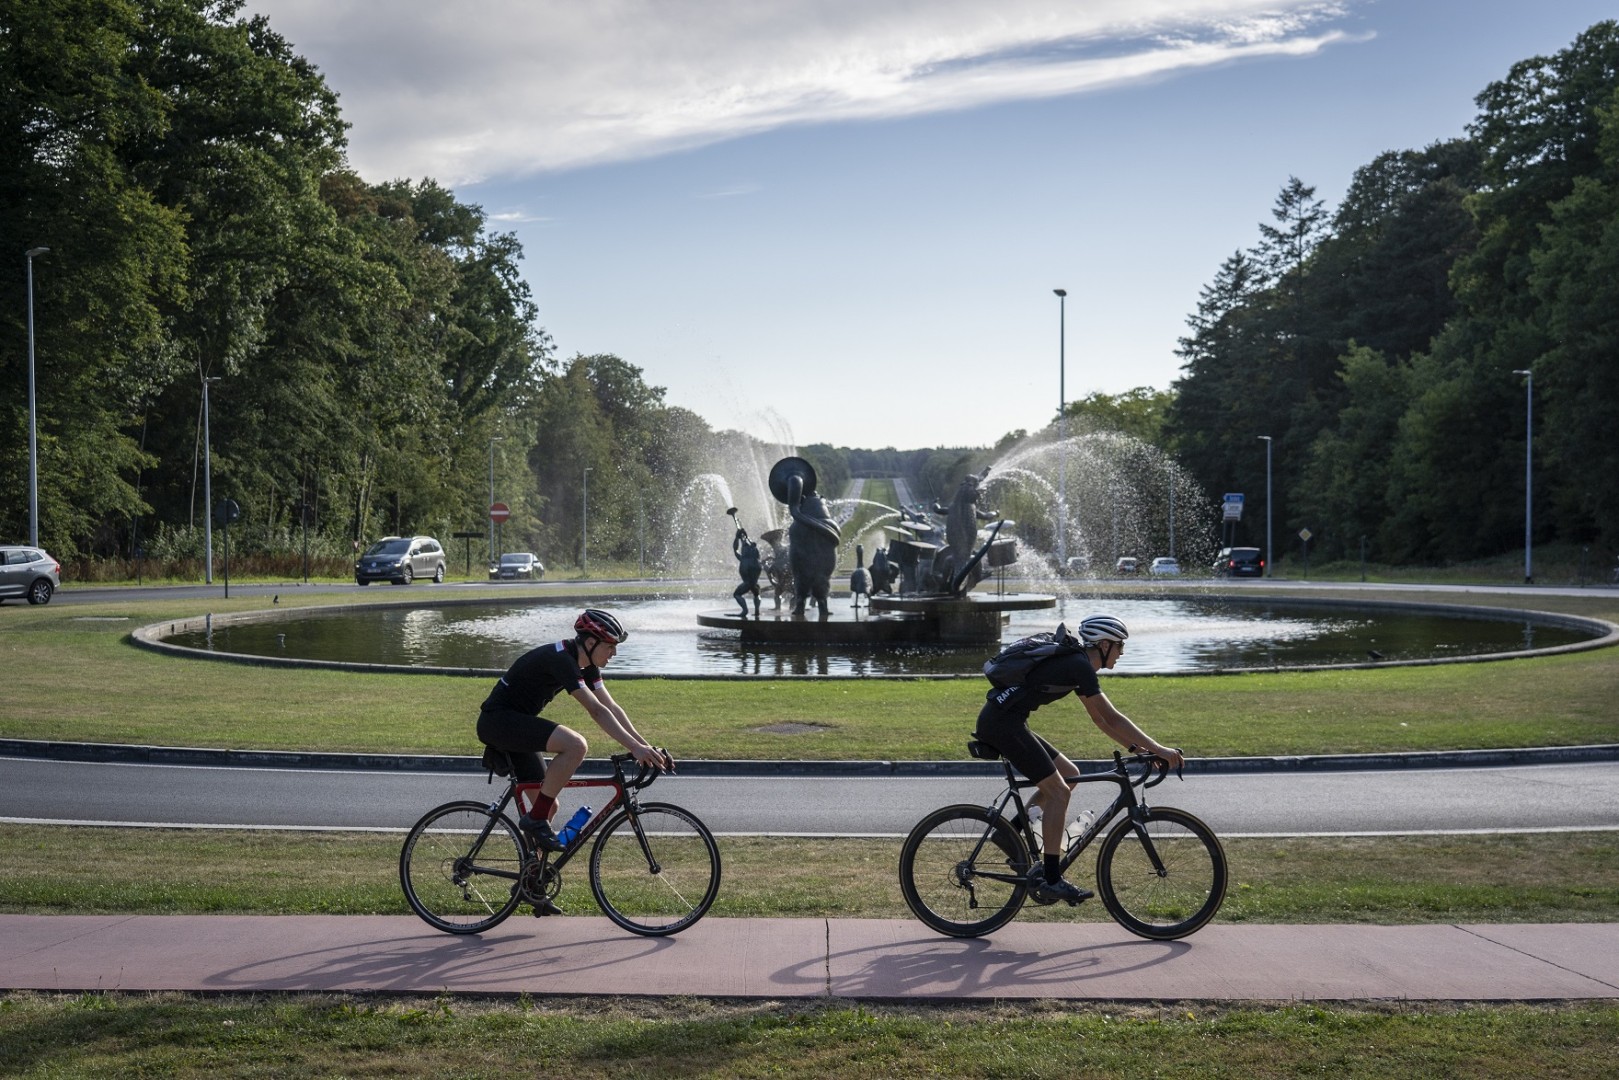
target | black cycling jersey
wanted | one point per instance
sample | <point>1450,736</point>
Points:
<point>1050,680</point>
<point>540,675</point>
<point>1004,720</point>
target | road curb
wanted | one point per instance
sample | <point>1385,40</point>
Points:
<point>120,753</point>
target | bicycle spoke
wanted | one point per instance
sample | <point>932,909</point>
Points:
<point>1164,877</point>
<point>657,879</point>
<point>961,871</point>
<point>459,868</point>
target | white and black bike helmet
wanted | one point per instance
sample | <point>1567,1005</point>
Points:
<point>1096,629</point>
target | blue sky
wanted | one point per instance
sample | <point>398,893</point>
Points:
<point>841,221</point>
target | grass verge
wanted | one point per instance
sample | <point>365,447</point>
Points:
<point>98,1035</point>
<point>1515,878</point>
<point>62,660</point>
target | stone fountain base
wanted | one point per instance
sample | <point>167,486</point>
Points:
<point>976,619</point>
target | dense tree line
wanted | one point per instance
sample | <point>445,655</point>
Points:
<point>374,362</point>
<point>1381,345</point>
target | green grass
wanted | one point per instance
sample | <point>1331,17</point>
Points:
<point>1525,878</point>
<point>72,675</point>
<point>173,1035</point>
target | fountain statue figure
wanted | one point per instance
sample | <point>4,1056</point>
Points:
<point>748,564</point>
<point>960,565</point>
<point>812,538</point>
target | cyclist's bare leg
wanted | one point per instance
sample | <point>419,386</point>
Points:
<point>1051,796</point>
<point>569,748</point>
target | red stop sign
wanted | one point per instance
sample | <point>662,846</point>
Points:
<point>499,512</point>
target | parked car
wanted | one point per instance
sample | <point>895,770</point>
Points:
<point>1127,565</point>
<point>1239,562</point>
<point>1164,566</point>
<point>515,565</point>
<point>28,572</point>
<point>1077,565</point>
<point>401,560</point>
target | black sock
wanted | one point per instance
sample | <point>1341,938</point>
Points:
<point>1053,867</point>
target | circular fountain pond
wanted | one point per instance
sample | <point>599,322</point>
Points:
<point>1188,635</point>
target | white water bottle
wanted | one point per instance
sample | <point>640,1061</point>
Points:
<point>1078,827</point>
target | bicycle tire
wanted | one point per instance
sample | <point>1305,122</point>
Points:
<point>1173,904</point>
<point>939,875</point>
<point>453,886</point>
<point>664,887</point>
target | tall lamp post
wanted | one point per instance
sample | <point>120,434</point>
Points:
<point>33,445</point>
<point>1270,558</point>
<point>584,527</point>
<point>1062,429</point>
<point>207,489</point>
<point>493,439</point>
<point>1528,474</point>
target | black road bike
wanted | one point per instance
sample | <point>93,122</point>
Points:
<point>654,868</point>
<point>967,870</point>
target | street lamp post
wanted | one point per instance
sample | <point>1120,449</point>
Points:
<point>1062,429</point>
<point>1528,474</point>
<point>33,445</point>
<point>1270,558</point>
<point>584,527</point>
<point>207,489</point>
<point>493,439</point>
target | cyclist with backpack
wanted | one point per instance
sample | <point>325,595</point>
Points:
<point>1038,671</point>
<point>510,719</point>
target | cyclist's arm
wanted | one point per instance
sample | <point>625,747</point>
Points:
<point>1122,730</point>
<point>612,718</point>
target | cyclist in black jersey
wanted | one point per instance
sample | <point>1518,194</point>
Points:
<point>510,719</point>
<point>1003,723</point>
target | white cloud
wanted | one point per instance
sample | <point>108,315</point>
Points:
<point>470,90</point>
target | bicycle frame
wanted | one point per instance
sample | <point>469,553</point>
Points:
<point>623,789</point>
<point>1127,800</point>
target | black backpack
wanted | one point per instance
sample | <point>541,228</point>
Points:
<point>1010,666</point>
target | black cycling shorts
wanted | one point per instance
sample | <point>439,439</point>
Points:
<point>522,736</point>
<point>1029,753</point>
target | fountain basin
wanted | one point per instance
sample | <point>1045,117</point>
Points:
<point>911,620</point>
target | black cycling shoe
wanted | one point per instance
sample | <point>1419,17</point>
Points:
<point>1049,892</point>
<point>544,907</point>
<point>540,835</point>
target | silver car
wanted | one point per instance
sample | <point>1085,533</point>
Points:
<point>401,560</point>
<point>29,572</point>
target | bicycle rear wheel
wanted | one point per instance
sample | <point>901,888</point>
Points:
<point>943,868</point>
<point>460,868</point>
<point>1169,903</point>
<point>655,873</point>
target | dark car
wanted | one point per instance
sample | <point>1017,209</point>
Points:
<point>401,560</point>
<point>517,566</point>
<point>28,572</point>
<point>1239,562</point>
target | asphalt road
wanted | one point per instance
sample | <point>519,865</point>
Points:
<point>1517,798</point>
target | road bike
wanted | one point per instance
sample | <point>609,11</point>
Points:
<point>967,870</point>
<point>654,868</point>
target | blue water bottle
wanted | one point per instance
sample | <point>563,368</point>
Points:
<point>575,823</point>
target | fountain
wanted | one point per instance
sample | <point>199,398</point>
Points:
<point>936,604</point>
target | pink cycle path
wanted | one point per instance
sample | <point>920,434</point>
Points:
<point>803,958</point>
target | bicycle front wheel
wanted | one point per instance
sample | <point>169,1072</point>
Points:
<point>1163,877</point>
<point>962,871</point>
<point>461,866</point>
<point>655,872</point>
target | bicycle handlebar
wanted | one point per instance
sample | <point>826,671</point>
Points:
<point>1156,768</point>
<point>644,773</point>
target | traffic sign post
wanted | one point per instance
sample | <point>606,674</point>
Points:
<point>498,513</point>
<point>1231,513</point>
